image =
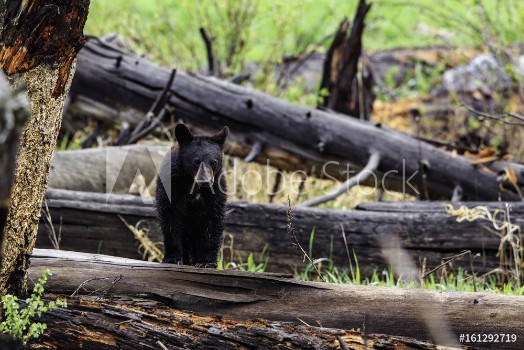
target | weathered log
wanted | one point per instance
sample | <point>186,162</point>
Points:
<point>244,296</point>
<point>89,222</point>
<point>105,170</point>
<point>294,137</point>
<point>93,325</point>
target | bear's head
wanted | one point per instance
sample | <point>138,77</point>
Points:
<point>200,156</point>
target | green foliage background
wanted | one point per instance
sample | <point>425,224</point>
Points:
<point>168,30</point>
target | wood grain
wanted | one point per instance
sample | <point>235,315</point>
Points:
<point>245,296</point>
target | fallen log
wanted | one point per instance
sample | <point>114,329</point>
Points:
<point>105,170</point>
<point>89,222</point>
<point>123,324</point>
<point>116,83</point>
<point>245,296</point>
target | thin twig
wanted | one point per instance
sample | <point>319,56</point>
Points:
<point>498,117</point>
<point>447,262</point>
<point>347,252</point>
<point>55,240</point>
<point>445,144</point>
<point>105,288</point>
<point>291,232</point>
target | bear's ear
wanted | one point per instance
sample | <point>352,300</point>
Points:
<point>220,137</point>
<point>182,134</point>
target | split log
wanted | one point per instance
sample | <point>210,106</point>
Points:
<point>94,325</point>
<point>89,222</point>
<point>293,137</point>
<point>245,296</point>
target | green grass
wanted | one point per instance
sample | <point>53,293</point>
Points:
<point>168,30</point>
<point>460,280</point>
<point>445,279</point>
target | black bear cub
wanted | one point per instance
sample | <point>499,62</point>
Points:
<point>191,198</point>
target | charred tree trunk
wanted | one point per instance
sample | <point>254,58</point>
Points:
<point>347,86</point>
<point>13,114</point>
<point>123,85</point>
<point>235,295</point>
<point>40,40</point>
<point>95,325</point>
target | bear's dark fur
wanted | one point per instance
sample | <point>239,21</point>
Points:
<point>192,216</point>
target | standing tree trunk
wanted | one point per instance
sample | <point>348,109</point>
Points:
<point>39,41</point>
<point>346,86</point>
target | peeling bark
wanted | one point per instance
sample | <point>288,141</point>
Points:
<point>40,40</point>
<point>94,325</point>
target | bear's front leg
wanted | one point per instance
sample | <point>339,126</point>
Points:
<point>172,231</point>
<point>206,252</point>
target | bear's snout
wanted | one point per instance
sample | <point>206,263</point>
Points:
<point>204,176</point>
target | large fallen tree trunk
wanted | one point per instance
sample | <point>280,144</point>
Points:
<point>94,325</point>
<point>105,170</point>
<point>89,222</point>
<point>236,295</point>
<point>292,137</point>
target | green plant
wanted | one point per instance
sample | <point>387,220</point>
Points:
<point>226,261</point>
<point>19,322</point>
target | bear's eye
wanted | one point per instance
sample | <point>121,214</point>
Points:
<point>214,162</point>
<point>196,161</point>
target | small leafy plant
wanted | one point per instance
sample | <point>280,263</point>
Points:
<point>18,322</point>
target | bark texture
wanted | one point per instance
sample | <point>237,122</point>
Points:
<point>40,40</point>
<point>40,32</point>
<point>236,295</point>
<point>117,324</point>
